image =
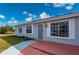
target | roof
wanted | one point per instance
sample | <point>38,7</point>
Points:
<point>70,15</point>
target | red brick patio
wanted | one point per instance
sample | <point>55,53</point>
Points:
<point>50,48</point>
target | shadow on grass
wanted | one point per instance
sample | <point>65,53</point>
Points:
<point>14,40</point>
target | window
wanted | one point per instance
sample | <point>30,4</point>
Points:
<point>20,29</point>
<point>60,29</point>
<point>28,29</point>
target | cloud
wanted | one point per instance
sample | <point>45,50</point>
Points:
<point>59,4</point>
<point>25,12</point>
<point>2,16</point>
<point>62,4</point>
<point>68,7</point>
<point>12,21</point>
<point>29,19</point>
<point>34,16</point>
<point>44,15</point>
<point>47,4</point>
<point>30,14</point>
<point>12,18</point>
<point>72,4</point>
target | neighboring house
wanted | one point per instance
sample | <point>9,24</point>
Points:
<point>62,29</point>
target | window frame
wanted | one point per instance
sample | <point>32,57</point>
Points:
<point>49,30</point>
<point>31,29</point>
<point>19,30</point>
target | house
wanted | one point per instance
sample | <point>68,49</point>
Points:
<point>61,29</point>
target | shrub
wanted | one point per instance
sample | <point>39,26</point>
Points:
<point>3,31</point>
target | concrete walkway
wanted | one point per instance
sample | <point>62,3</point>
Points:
<point>15,50</point>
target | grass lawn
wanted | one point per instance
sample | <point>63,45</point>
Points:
<point>7,41</point>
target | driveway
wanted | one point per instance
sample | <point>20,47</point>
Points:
<point>34,47</point>
<point>14,50</point>
<point>50,48</point>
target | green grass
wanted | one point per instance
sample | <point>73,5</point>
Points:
<point>7,41</point>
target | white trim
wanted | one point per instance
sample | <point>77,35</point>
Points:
<point>37,30</point>
<point>60,37</point>
<point>48,30</point>
<point>72,29</point>
<point>21,29</point>
<point>42,29</point>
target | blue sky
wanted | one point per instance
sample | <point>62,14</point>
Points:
<point>16,13</point>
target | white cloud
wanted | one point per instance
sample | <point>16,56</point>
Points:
<point>71,4</point>
<point>44,15</point>
<point>12,21</point>
<point>62,4</point>
<point>59,4</point>
<point>25,12</point>
<point>68,7</point>
<point>29,19</point>
<point>34,16</point>
<point>46,4</point>
<point>2,16</point>
<point>12,18</point>
<point>30,14</point>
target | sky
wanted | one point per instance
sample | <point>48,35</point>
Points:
<point>17,13</point>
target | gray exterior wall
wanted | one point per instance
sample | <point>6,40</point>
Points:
<point>35,31</point>
<point>32,35</point>
<point>77,28</point>
<point>17,32</point>
<point>73,30</point>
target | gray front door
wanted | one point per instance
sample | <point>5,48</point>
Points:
<point>40,31</point>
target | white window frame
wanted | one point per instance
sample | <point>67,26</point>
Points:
<point>49,30</point>
<point>21,29</point>
<point>32,29</point>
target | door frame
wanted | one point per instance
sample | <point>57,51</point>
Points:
<point>40,36</point>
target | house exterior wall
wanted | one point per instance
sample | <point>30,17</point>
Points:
<point>77,28</point>
<point>27,34</point>
<point>32,35</point>
<point>17,32</point>
<point>73,32</point>
<point>71,29</point>
<point>35,31</point>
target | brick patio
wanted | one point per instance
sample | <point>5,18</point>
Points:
<point>50,48</point>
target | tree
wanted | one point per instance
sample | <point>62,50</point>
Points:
<point>6,29</point>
